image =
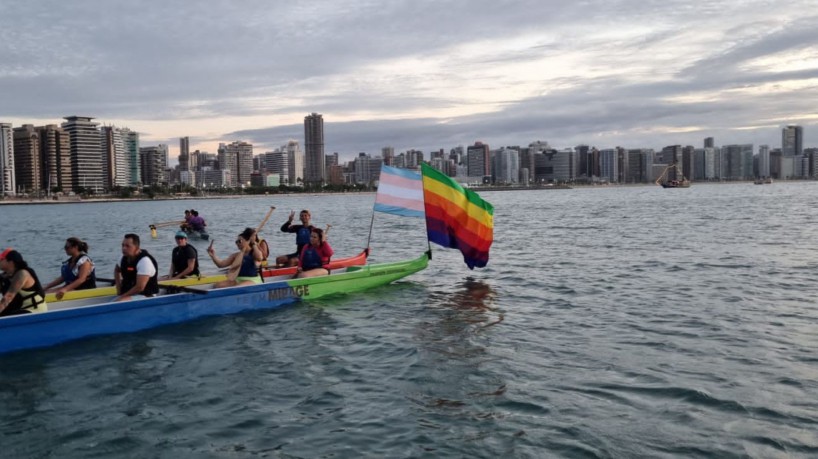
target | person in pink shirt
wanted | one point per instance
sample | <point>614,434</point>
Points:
<point>314,256</point>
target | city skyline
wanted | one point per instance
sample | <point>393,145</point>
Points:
<point>417,75</point>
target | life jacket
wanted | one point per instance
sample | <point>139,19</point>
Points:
<point>302,236</point>
<point>180,262</point>
<point>310,258</point>
<point>128,271</point>
<point>25,299</point>
<point>68,276</point>
<point>248,266</point>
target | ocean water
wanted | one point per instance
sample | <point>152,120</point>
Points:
<point>611,322</point>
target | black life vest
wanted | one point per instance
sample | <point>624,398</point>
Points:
<point>128,271</point>
<point>23,301</point>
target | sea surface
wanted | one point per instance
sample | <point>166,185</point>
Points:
<point>611,322</point>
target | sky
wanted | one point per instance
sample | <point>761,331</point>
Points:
<point>416,74</point>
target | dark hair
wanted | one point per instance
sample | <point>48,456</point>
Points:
<point>77,242</point>
<point>187,211</point>
<point>320,234</point>
<point>305,211</point>
<point>133,237</point>
<point>248,234</point>
<point>16,259</point>
<point>195,213</point>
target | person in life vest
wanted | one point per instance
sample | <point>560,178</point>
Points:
<point>265,250</point>
<point>196,223</point>
<point>21,290</point>
<point>302,237</point>
<point>184,259</point>
<point>243,266</point>
<point>136,273</point>
<point>77,272</point>
<point>314,256</point>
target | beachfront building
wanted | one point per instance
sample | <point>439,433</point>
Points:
<point>7,178</point>
<point>86,153</point>
<point>27,159</point>
<point>478,160</point>
<point>153,164</point>
<point>506,166</point>
<point>55,153</point>
<point>295,163</point>
<point>116,168</point>
<point>314,161</point>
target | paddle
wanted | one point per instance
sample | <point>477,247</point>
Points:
<point>163,224</point>
<point>266,217</point>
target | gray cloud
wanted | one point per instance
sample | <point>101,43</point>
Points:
<point>167,61</point>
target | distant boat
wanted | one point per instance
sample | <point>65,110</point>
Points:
<point>673,183</point>
<point>684,183</point>
<point>764,181</point>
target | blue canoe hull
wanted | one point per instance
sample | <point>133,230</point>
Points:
<point>45,329</point>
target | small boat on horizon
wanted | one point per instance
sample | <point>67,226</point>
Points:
<point>673,183</point>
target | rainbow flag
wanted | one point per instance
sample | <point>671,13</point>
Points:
<point>457,217</point>
<point>400,192</point>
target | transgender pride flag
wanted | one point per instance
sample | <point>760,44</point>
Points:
<point>400,192</point>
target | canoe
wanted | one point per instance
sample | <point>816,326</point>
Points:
<point>267,273</point>
<point>70,320</point>
<point>193,234</point>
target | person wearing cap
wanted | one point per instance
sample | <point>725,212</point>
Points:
<point>184,259</point>
<point>136,272</point>
<point>20,287</point>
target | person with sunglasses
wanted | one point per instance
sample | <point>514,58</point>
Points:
<point>77,272</point>
<point>242,266</point>
<point>184,259</point>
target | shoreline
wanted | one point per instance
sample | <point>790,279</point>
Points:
<point>77,200</point>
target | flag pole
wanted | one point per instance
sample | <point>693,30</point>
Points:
<point>371,224</point>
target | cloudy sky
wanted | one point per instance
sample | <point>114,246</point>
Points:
<point>417,74</point>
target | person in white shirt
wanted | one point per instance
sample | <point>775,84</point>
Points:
<point>136,273</point>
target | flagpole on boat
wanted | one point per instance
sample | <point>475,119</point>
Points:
<point>371,224</point>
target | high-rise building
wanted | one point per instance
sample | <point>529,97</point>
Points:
<point>331,160</point>
<point>506,166</point>
<point>86,152</point>
<point>792,140</point>
<point>115,153</point>
<point>27,163</point>
<point>55,153</point>
<point>367,169</point>
<point>153,164</point>
<point>8,185</point>
<point>388,153</point>
<point>134,163</point>
<point>764,161</point>
<point>608,165</point>
<point>295,163</point>
<point>314,162</point>
<point>709,142</point>
<point>478,160</point>
<point>186,163</point>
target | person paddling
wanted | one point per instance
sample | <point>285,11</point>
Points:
<point>136,273</point>
<point>77,272</point>
<point>20,288</point>
<point>242,265</point>
<point>184,259</point>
